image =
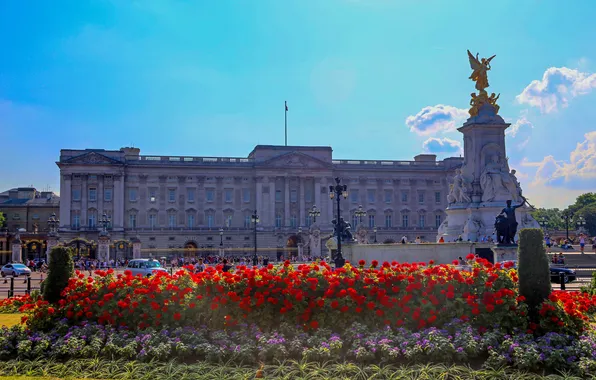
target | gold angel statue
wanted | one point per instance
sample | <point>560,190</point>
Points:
<point>480,67</point>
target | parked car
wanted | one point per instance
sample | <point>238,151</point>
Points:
<point>555,272</point>
<point>15,270</point>
<point>145,267</point>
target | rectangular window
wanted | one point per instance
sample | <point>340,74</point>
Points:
<point>76,221</point>
<point>228,195</point>
<point>190,195</point>
<point>293,196</point>
<point>355,221</point>
<point>278,220</point>
<point>388,220</point>
<point>421,220</point>
<point>371,196</point>
<point>404,220</point>
<point>308,195</point>
<point>404,196</point>
<point>421,198</point>
<point>107,195</point>
<point>293,222</point>
<point>371,221</point>
<point>209,221</point>
<point>92,194</point>
<point>172,220</point>
<point>210,195</point>
<point>191,221</point>
<point>132,195</point>
<point>437,197</point>
<point>16,216</point>
<point>308,220</point>
<point>228,222</point>
<point>132,221</point>
<point>278,195</point>
<point>247,221</point>
<point>152,221</point>
<point>246,195</point>
<point>354,196</point>
<point>152,195</point>
<point>437,221</point>
<point>76,194</point>
<point>92,220</point>
<point>171,195</point>
<point>388,196</point>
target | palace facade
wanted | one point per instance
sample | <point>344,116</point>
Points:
<point>177,202</point>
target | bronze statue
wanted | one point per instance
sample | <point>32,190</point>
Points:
<point>506,224</point>
<point>480,67</point>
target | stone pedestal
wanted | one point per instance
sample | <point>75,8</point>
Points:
<point>51,243</point>
<point>314,241</point>
<point>103,248</point>
<point>221,252</point>
<point>17,252</point>
<point>136,248</point>
<point>300,247</point>
<point>504,252</point>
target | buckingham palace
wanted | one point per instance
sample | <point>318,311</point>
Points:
<point>182,201</point>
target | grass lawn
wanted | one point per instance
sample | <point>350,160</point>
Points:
<point>10,320</point>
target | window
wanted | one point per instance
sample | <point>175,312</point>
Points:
<point>35,216</point>
<point>247,221</point>
<point>437,197</point>
<point>421,220</point>
<point>354,196</point>
<point>404,220</point>
<point>293,196</point>
<point>404,196</point>
<point>171,195</point>
<point>190,195</point>
<point>107,195</point>
<point>278,195</point>
<point>308,195</point>
<point>172,220</point>
<point>132,195</point>
<point>355,221</point>
<point>421,197</point>
<point>76,194</point>
<point>437,221</point>
<point>191,221</point>
<point>16,216</point>
<point>246,195</point>
<point>388,196</point>
<point>388,220</point>
<point>228,221</point>
<point>92,220</point>
<point>210,195</point>
<point>76,221</point>
<point>293,222</point>
<point>132,221</point>
<point>278,220</point>
<point>93,194</point>
<point>371,221</point>
<point>371,196</point>
<point>210,220</point>
<point>228,195</point>
<point>152,220</point>
<point>308,220</point>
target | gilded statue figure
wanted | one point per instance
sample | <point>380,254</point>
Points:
<point>479,75</point>
<point>493,101</point>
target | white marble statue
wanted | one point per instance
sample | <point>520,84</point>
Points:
<point>361,234</point>
<point>442,229</point>
<point>459,189</point>
<point>472,229</point>
<point>314,241</point>
<point>492,179</point>
<point>514,187</point>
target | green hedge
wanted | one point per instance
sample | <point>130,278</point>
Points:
<point>533,268</point>
<point>60,270</point>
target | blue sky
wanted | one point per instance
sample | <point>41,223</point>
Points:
<point>209,78</point>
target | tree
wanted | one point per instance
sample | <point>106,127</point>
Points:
<point>2,221</point>
<point>533,268</point>
<point>552,216</point>
<point>588,212</point>
<point>60,270</point>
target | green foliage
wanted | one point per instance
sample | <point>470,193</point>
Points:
<point>582,201</point>
<point>2,220</point>
<point>60,270</point>
<point>533,268</point>
<point>552,216</point>
<point>588,212</point>
<point>591,288</point>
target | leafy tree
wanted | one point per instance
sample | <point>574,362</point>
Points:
<point>582,201</point>
<point>2,221</point>
<point>588,212</point>
<point>533,268</point>
<point>552,217</point>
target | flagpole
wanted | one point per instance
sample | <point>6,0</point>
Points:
<point>286,121</point>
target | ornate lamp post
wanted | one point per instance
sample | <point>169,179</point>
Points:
<point>299,244</point>
<point>53,223</point>
<point>375,232</point>
<point>313,213</point>
<point>221,232</point>
<point>52,241</point>
<point>104,239</point>
<point>104,222</point>
<point>580,222</point>
<point>567,216</point>
<point>360,213</point>
<point>337,192</point>
<point>255,219</point>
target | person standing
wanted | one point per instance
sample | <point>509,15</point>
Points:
<point>582,243</point>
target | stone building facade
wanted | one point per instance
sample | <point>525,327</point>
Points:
<point>175,202</point>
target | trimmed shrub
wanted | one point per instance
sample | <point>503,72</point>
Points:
<point>533,268</point>
<point>60,270</point>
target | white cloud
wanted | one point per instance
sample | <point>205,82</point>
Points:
<point>557,87</point>
<point>519,123</point>
<point>442,145</point>
<point>434,119</point>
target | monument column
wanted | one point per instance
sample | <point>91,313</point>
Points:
<point>287,203</point>
<point>65,204</point>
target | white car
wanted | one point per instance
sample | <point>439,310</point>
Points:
<point>15,270</point>
<point>145,267</point>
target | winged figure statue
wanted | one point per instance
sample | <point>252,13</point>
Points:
<point>480,68</point>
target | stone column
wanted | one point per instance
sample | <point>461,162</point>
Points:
<point>317,183</point>
<point>331,210</point>
<point>272,200</point>
<point>50,243</point>
<point>65,196</point>
<point>302,204</point>
<point>259,196</point>
<point>136,248</point>
<point>17,251</point>
<point>118,221</point>
<point>84,194</point>
<point>287,203</point>
<point>103,248</point>
<point>100,196</point>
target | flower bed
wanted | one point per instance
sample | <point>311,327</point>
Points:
<point>13,304</point>
<point>414,296</point>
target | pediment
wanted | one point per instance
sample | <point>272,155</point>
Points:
<point>93,158</point>
<point>295,160</point>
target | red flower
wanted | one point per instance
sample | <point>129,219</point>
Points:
<point>374,264</point>
<point>314,325</point>
<point>177,316</point>
<point>362,263</point>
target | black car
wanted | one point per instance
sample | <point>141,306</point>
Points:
<point>555,273</point>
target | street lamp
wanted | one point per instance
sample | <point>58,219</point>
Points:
<point>314,212</point>
<point>104,222</point>
<point>581,222</point>
<point>53,223</point>
<point>337,192</point>
<point>375,232</point>
<point>567,216</point>
<point>221,231</point>
<point>255,219</point>
<point>360,213</point>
